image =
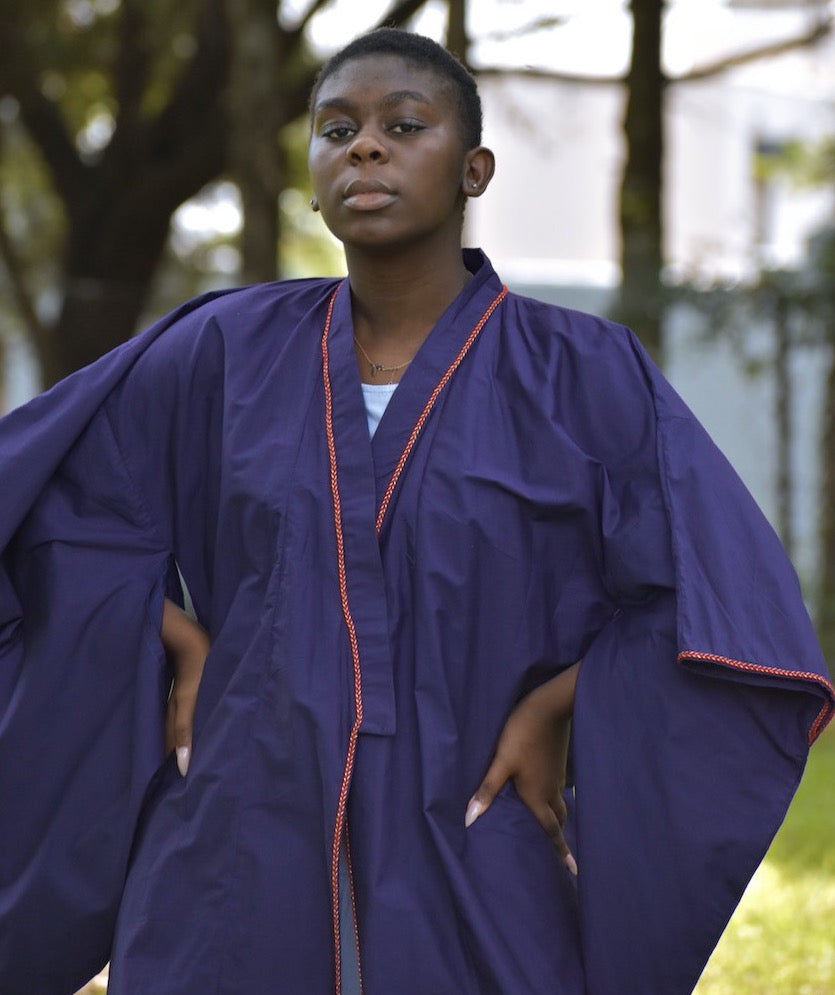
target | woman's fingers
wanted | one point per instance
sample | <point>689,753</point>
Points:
<point>551,816</point>
<point>552,824</point>
<point>187,646</point>
<point>183,723</point>
<point>495,779</point>
<point>182,703</point>
<point>180,719</point>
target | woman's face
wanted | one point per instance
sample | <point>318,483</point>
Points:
<point>387,157</point>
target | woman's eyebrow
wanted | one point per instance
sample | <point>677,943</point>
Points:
<point>390,100</point>
<point>399,96</point>
<point>333,103</point>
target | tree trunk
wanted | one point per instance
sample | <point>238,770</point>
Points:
<point>256,114</point>
<point>457,37</point>
<point>784,404</point>
<point>118,207</point>
<point>825,614</point>
<point>108,276</point>
<point>641,301</point>
<point>114,245</point>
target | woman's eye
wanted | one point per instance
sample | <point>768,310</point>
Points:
<point>336,131</point>
<point>406,127</point>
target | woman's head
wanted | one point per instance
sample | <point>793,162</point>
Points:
<point>395,129</point>
<point>424,54</point>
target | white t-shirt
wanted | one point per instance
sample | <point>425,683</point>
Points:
<point>376,397</point>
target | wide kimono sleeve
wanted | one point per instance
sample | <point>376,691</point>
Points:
<point>695,706</point>
<point>100,481</point>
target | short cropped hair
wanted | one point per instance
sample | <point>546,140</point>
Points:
<point>422,52</point>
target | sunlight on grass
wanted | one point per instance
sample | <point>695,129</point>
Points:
<point>98,986</point>
<point>781,940</point>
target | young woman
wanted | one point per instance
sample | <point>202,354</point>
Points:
<point>406,505</point>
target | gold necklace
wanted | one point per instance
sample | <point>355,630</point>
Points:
<point>376,368</point>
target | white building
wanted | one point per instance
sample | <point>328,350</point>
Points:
<point>549,219</point>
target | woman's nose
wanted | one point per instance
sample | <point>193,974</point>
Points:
<point>367,147</point>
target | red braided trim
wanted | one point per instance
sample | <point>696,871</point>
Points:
<point>823,716</point>
<point>407,451</point>
<point>353,902</point>
<point>339,828</point>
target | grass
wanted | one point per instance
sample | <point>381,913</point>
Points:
<point>98,986</point>
<point>781,940</point>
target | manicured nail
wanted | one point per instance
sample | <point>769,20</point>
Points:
<point>183,757</point>
<point>571,864</point>
<point>474,810</point>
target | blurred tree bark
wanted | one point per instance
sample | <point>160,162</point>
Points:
<point>457,36</point>
<point>245,77</point>
<point>258,105</point>
<point>118,203</point>
<point>825,602</point>
<point>825,606</point>
<point>640,304</point>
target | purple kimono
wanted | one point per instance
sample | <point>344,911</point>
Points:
<point>535,493</point>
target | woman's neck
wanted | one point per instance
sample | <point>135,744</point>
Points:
<point>397,301</point>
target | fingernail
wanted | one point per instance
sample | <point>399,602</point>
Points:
<point>474,810</point>
<point>183,757</point>
<point>571,864</point>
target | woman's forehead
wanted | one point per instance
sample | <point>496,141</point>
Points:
<point>384,74</point>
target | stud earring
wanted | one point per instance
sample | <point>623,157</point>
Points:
<point>314,204</point>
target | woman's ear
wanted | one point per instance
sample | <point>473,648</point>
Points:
<point>479,166</point>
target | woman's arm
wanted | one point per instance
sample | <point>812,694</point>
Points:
<point>187,646</point>
<point>533,751</point>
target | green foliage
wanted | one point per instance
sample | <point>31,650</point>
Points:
<point>307,248</point>
<point>33,213</point>
<point>32,218</point>
<point>74,47</point>
<point>806,164</point>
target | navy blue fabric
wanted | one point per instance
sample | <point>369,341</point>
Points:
<point>560,503</point>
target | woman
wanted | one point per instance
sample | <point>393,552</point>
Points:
<point>392,623</point>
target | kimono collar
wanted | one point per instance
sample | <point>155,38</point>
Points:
<point>431,362</point>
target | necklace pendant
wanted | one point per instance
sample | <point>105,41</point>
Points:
<point>377,368</point>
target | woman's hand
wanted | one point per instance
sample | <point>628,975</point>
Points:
<point>187,646</point>
<point>533,752</point>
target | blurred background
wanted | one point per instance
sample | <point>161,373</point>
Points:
<point>670,164</point>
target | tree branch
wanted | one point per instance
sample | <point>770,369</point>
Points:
<point>531,72</point>
<point>191,132</point>
<point>400,12</point>
<point>132,65</point>
<point>542,23</point>
<point>35,328</point>
<point>298,29</point>
<point>47,126</point>
<point>821,30</point>
<point>42,117</point>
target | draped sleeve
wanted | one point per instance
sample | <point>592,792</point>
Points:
<point>696,704</point>
<point>100,489</point>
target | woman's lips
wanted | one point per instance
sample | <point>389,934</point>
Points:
<point>363,195</point>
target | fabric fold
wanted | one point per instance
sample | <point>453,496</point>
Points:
<point>559,502</point>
